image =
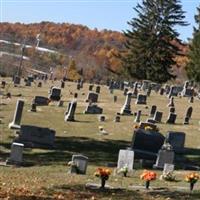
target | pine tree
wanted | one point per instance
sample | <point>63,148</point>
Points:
<point>193,67</point>
<point>149,51</point>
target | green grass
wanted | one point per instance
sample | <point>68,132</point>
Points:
<point>48,178</point>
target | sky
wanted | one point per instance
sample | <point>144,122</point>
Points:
<point>100,14</point>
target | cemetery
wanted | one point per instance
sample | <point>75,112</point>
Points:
<point>54,151</point>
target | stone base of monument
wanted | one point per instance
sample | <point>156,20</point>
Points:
<point>9,163</point>
<point>95,186</point>
<point>13,126</point>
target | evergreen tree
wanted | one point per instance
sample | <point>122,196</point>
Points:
<point>193,67</point>
<point>149,50</point>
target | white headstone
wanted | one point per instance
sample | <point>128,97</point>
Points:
<point>125,157</point>
<point>16,155</point>
<point>168,168</point>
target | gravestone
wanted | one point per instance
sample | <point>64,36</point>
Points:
<point>141,99</point>
<point>41,101</point>
<point>125,158</point>
<point>33,107</point>
<point>81,163</point>
<point>75,95</point>
<point>117,118</point>
<point>70,115</point>
<point>3,84</point>
<point>176,140</point>
<point>146,144</point>
<point>162,91</point>
<point>115,98</point>
<point>145,84</point>
<point>188,92</point>
<point>189,112</point>
<point>16,80</point>
<point>15,124</point>
<point>16,155</point>
<point>98,89</point>
<point>60,103</point>
<point>34,136</point>
<point>135,90</point>
<point>158,116</point>
<point>125,91</point>
<point>191,100</point>
<point>126,109</point>
<point>172,110</point>
<point>149,91</point>
<point>171,118</point>
<point>55,94</point>
<point>39,84</point>
<point>93,109</point>
<point>62,84</point>
<point>153,110</point>
<point>165,155</point>
<point>137,118</point>
<point>78,86</point>
<point>28,83</point>
<point>90,87</point>
<point>102,118</point>
<point>92,97</point>
<point>186,120</point>
<point>171,102</point>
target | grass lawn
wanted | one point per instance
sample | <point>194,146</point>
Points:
<point>48,177</point>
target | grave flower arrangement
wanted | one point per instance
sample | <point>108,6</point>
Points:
<point>192,178</point>
<point>74,167</point>
<point>148,176</point>
<point>169,176</point>
<point>123,170</point>
<point>103,174</point>
<point>148,128</point>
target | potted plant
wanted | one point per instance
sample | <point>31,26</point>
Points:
<point>103,174</point>
<point>148,176</point>
<point>192,178</point>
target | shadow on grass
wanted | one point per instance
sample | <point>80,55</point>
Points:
<point>98,152</point>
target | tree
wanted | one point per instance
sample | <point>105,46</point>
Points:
<point>193,66</point>
<point>72,73</point>
<point>149,50</point>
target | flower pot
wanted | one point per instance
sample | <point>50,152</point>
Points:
<point>191,186</point>
<point>147,183</point>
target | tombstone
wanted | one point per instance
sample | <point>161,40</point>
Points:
<point>75,95</point>
<point>3,84</point>
<point>150,120</point>
<point>191,99</point>
<point>145,85</point>
<point>189,112</point>
<point>117,118</point>
<point>176,140</point>
<point>162,91</point>
<point>126,109</point>
<point>62,84</point>
<point>80,163</point>
<point>125,158</point>
<point>92,97</point>
<point>146,144</point>
<point>34,136</point>
<point>168,168</point>
<point>16,155</point>
<point>115,99</point>
<point>93,109</point>
<point>41,101</point>
<point>16,80</point>
<point>121,87</point>
<point>81,83</point>
<point>60,103</point>
<point>102,118</point>
<point>186,120</point>
<point>39,84</point>
<point>90,87</point>
<point>164,156</point>
<point>171,102</point>
<point>153,110</point>
<point>70,115</point>
<point>78,86</point>
<point>135,90</point>
<point>55,94</point>
<point>189,92</point>
<point>98,89</point>
<point>171,118</point>
<point>173,92</point>
<point>141,99</point>
<point>158,116</point>
<point>33,107</point>
<point>15,124</point>
<point>28,83</point>
<point>172,110</point>
<point>125,91</point>
<point>149,91</point>
<point>186,84</point>
<point>167,89</point>
<point>137,118</point>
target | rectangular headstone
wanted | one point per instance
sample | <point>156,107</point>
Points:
<point>81,163</point>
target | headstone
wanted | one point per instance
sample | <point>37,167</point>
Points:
<point>158,116</point>
<point>171,118</point>
<point>171,102</point>
<point>126,109</point>
<point>189,112</point>
<point>125,158</point>
<point>16,80</point>
<point>191,99</point>
<point>34,136</point>
<point>125,91</point>
<point>16,155</point>
<point>115,98</point>
<point>117,118</point>
<point>3,84</point>
<point>153,110</point>
<point>141,99</point>
<point>186,120</point>
<point>145,85</point>
<point>15,124</point>
<point>75,95</point>
<point>92,97</point>
<point>55,94</point>
<point>33,107</point>
<point>39,84</point>
<point>41,101</point>
<point>188,92</point>
<point>176,140</point>
<point>28,83</point>
<point>60,103</point>
<point>71,113</point>
<point>137,118</point>
<point>102,118</point>
<point>62,84</point>
<point>172,110</point>
<point>98,89</point>
<point>78,86</point>
<point>135,90</point>
<point>162,91</point>
<point>93,109</point>
<point>90,87</point>
<point>81,163</point>
<point>149,91</point>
